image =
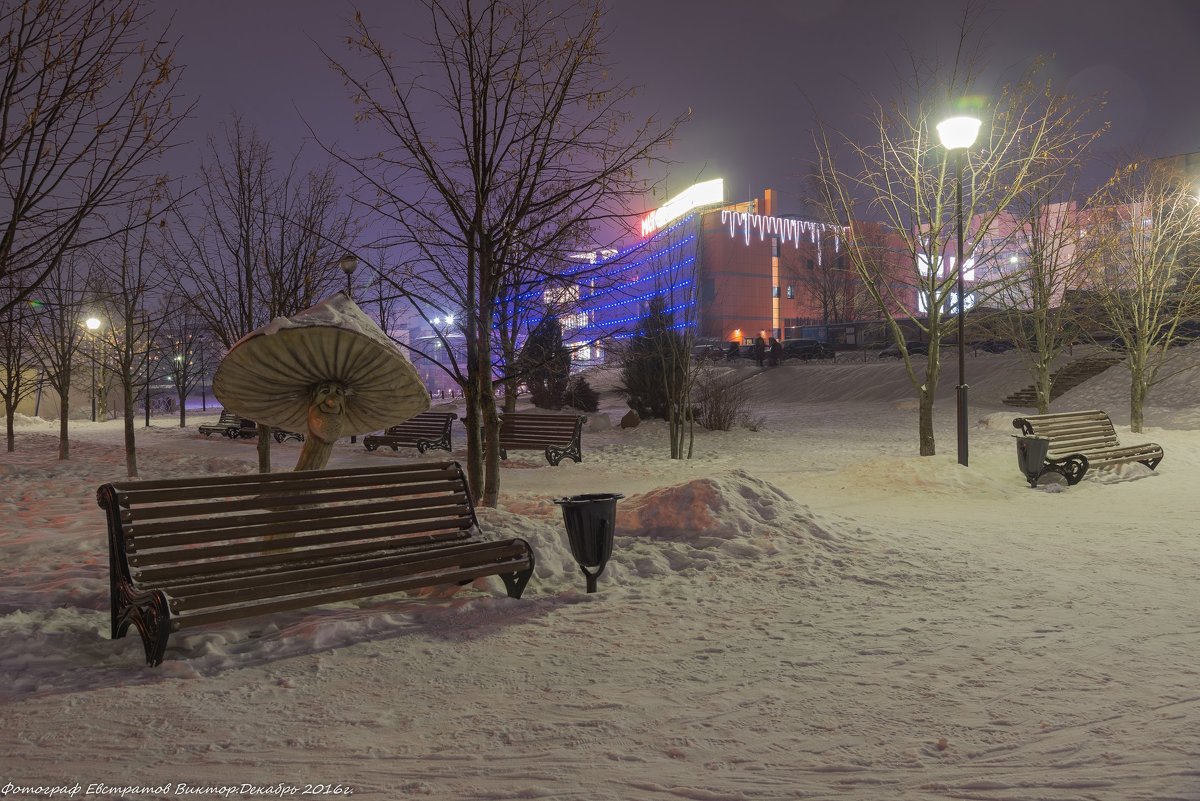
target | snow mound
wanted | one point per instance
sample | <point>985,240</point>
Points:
<point>734,506</point>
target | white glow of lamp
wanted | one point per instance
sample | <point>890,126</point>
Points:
<point>958,132</point>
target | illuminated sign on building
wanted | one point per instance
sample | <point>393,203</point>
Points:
<point>695,196</point>
<point>786,228</point>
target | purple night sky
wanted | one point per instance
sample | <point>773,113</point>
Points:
<point>751,71</point>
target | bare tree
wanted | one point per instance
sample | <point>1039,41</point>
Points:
<point>510,137</point>
<point>17,362</point>
<point>906,177</point>
<point>87,101</point>
<point>1147,282</point>
<point>1047,257</point>
<point>257,243</point>
<point>185,367</point>
<point>58,336</point>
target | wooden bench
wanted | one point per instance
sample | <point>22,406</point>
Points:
<point>1079,441</point>
<point>425,431</point>
<point>558,435</point>
<point>188,552</point>
<point>230,425</point>
<point>233,427</point>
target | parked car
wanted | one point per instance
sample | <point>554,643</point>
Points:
<point>915,348</point>
<point>709,353</point>
<point>806,349</point>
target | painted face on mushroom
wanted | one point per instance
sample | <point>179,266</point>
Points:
<point>325,413</point>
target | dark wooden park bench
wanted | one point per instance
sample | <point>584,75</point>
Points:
<point>1082,440</point>
<point>425,431</point>
<point>187,552</point>
<point>557,435</point>
<point>230,425</point>
<point>233,427</point>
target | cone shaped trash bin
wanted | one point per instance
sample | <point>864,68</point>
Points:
<point>1031,456</point>
<point>591,521</point>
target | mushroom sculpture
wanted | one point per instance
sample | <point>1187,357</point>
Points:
<point>328,370</point>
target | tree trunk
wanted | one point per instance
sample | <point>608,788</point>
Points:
<point>64,444</point>
<point>131,468</point>
<point>264,448</point>
<point>1043,388</point>
<point>491,450</point>
<point>1137,394</point>
<point>925,422</point>
<point>471,419</point>
<point>183,411</point>
<point>510,395</point>
<point>10,414</point>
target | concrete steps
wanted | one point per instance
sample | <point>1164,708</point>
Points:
<point>1065,379</point>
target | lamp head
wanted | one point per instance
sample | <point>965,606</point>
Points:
<point>958,132</point>
<point>347,263</point>
<point>92,323</point>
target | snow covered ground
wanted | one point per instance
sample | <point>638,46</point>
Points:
<point>806,611</point>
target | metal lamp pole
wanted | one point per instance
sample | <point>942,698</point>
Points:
<point>93,325</point>
<point>347,264</point>
<point>961,389</point>
<point>958,133</point>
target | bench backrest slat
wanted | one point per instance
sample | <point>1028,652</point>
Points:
<point>281,502</point>
<point>376,537</point>
<point>281,555</point>
<point>324,519</point>
<point>167,491</point>
<point>1071,432</point>
<point>199,527</point>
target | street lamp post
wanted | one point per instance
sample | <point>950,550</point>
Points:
<point>958,134</point>
<point>347,264</point>
<point>93,325</point>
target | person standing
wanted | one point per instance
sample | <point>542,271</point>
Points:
<point>760,349</point>
<point>776,353</point>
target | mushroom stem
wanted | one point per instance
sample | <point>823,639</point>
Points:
<point>315,453</point>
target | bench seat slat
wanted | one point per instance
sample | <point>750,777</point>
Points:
<point>312,568</point>
<point>292,583</point>
<point>347,594</point>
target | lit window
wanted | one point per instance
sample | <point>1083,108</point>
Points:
<point>774,291</point>
<point>791,294</point>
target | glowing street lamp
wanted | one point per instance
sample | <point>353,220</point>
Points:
<point>957,134</point>
<point>93,325</point>
<point>347,264</point>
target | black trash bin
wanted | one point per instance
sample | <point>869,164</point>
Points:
<point>590,520</point>
<point>1031,457</point>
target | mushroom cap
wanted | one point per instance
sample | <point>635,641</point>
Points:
<point>269,374</point>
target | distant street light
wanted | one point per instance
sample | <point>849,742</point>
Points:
<point>93,325</point>
<point>958,134</point>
